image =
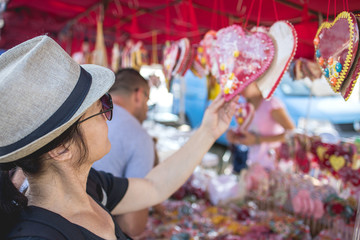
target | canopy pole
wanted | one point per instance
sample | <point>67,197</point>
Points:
<point>154,47</point>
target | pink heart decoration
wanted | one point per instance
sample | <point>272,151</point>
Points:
<point>170,56</point>
<point>207,56</point>
<point>285,41</point>
<point>242,58</point>
<point>244,115</point>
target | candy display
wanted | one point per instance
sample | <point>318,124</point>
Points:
<point>243,57</point>
<point>336,49</point>
<point>200,220</point>
<point>285,41</point>
<point>313,191</point>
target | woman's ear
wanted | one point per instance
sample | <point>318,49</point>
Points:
<point>60,153</point>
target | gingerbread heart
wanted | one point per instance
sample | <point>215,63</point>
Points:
<point>349,83</point>
<point>206,55</point>
<point>170,56</point>
<point>320,151</point>
<point>337,162</point>
<point>285,41</point>
<point>244,115</point>
<point>198,69</point>
<point>242,58</point>
<point>185,57</point>
<point>336,46</point>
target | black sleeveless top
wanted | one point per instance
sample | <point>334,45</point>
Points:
<point>104,188</point>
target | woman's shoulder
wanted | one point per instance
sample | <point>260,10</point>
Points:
<point>273,103</point>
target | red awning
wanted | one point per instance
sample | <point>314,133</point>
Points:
<point>71,21</point>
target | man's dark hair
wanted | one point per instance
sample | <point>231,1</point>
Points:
<point>128,80</point>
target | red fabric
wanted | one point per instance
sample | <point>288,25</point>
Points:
<point>173,20</point>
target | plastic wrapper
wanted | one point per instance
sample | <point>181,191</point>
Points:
<point>225,188</point>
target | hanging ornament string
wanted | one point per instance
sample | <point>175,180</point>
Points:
<point>347,5</point>
<point>193,21</point>
<point>344,7</point>
<point>248,16</point>
<point>154,47</point>
<point>275,11</point>
<point>167,20</point>
<point>328,9</point>
<point>214,16</point>
<point>334,9</point>
<point>238,10</point>
<point>223,19</point>
<point>259,14</point>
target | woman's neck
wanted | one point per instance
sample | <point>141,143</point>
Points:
<point>61,190</point>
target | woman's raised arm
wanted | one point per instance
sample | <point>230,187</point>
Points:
<point>168,176</point>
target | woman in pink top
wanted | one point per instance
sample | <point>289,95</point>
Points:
<point>267,129</point>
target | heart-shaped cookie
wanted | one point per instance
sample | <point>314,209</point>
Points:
<point>336,46</point>
<point>285,41</point>
<point>244,115</point>
<point>185,57</point>
<point>170,56</point>
<point>337,162</point>
<point>206,55</point>
<point>320,151</point>
<point>242,58</point>
<point>349,83</point>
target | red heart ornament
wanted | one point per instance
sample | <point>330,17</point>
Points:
<point>244,115</point>
<point>285,41</point>
<point>185,57</point>
<point>336,47</point>
<point>242,57</point>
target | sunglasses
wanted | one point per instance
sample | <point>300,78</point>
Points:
<point>107,108</point>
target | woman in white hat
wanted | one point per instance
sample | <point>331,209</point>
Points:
<point>53,127</point>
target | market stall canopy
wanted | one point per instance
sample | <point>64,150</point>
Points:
<point>156,21</point>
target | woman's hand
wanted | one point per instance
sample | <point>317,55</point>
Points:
<point>245,138</point>
<point>218,115</point>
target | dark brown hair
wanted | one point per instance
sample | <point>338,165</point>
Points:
<point>11,200</point>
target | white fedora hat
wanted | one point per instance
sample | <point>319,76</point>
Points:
<point>43,91</point>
